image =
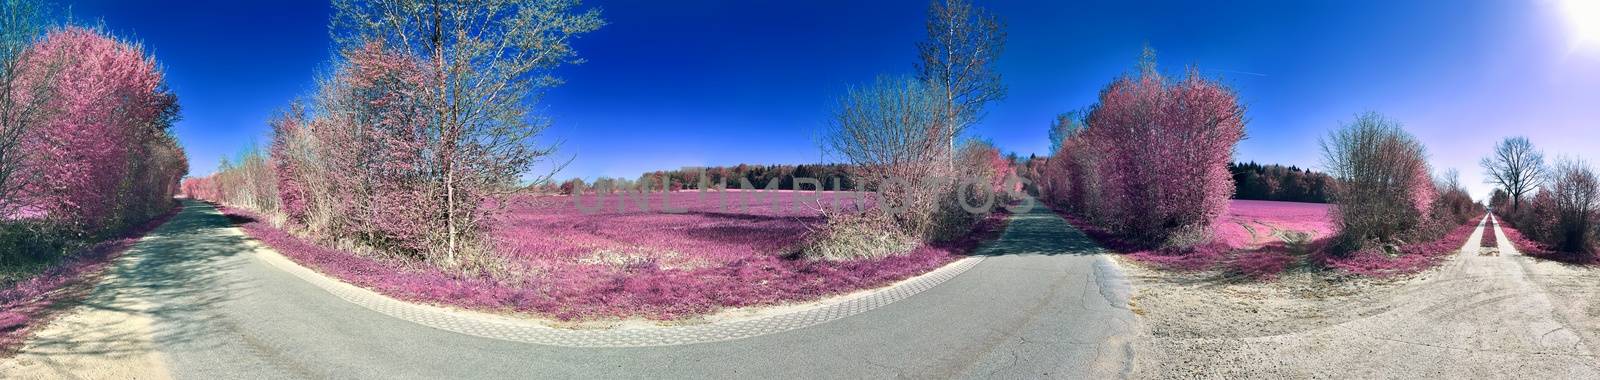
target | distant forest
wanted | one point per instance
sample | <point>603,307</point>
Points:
<point>1251,180</point>
<point>759,176</point>
<point>1279,183</point>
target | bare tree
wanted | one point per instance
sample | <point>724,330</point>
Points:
<point>889,131</point>
<point>1384,188</point>
<point>22,100</point>
<point>1516,167</point>
<point>964,43</point>
<point>492,61</point>
<point>1451,180</point>
<point>1576,191</point>
<point>1066,125</point>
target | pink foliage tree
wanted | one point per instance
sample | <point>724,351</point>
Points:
<point>1152,163</point>
<point>387,107</point>
<point>365,166</point>
<point>105,156</point>
<point>200,188</point>
<point>292,196</point>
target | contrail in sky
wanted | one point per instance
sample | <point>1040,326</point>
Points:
<point>1240,72</point>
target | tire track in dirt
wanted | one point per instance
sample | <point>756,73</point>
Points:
<point>1472,317</point>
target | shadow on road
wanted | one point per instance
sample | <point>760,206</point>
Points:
<point>1039,231</point>
<point>172,276</point>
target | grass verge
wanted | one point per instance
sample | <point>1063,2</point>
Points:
<point>598,292</point>
<point>29,303</point>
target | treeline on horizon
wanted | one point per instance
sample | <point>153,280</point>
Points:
<point>781,176</point>
<point>1273,182</point>
<point>1252,181</point>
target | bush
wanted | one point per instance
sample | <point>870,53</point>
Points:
<point>1384,193</point>
<point>454,120</point>
<point>247,181</point>
<point>984,182</point>
<point>1565,214</point>
<point>1070,179</point>
<point>892,135</point>
<point>863,236</point>
<point>1152,164</point>
<point>104,159</point>
<point>31,241</point>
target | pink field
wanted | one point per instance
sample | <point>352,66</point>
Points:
<point>619,264</point>
<point>1255,240</point>
<point>548,232</point>
<point>1253,224</point>
<point>1412,258</point>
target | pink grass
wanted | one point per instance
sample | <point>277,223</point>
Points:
<point>1413,258</point>
<point>27,304</point>
<point>1261,255</point>
<point>1254,252</point>
<point>1250,224</point>
<point>1490,239</point>
<point>1534,249</point>
<point>690,263</point>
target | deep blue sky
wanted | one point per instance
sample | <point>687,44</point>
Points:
<point>671,84</point>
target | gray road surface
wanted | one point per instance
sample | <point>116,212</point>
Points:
<point>1044,303</point>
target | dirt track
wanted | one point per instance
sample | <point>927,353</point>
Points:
<point>1474,317</point>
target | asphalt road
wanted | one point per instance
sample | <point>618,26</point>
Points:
<point>1043,303</point>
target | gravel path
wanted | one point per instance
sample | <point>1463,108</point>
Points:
<point>1474,317</point>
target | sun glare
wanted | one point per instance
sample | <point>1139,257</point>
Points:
<point>1583,21</point>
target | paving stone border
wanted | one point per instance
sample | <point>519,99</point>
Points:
<point>525,331</point>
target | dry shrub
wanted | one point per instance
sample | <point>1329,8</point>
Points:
<point>1384,192</point>
<point>858,236</point>
<point>1565,215</point>
<point>891,133</point>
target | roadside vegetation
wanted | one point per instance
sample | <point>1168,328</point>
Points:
<point>1551,211</point>
<point>1393,216</point>
<point>1113,175</point>
<point>397,176</point>
<point>87,161</point>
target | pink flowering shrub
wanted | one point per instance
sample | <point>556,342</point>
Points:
<point>574,265</point>
<point>100,164</point>
<point>293,197</point>
<point>200,188</point>
<point>1069,179</point>
<point>1562,221</point>
<point>1152,163</point>
<point>247,181</point>
<point>104,159</point>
